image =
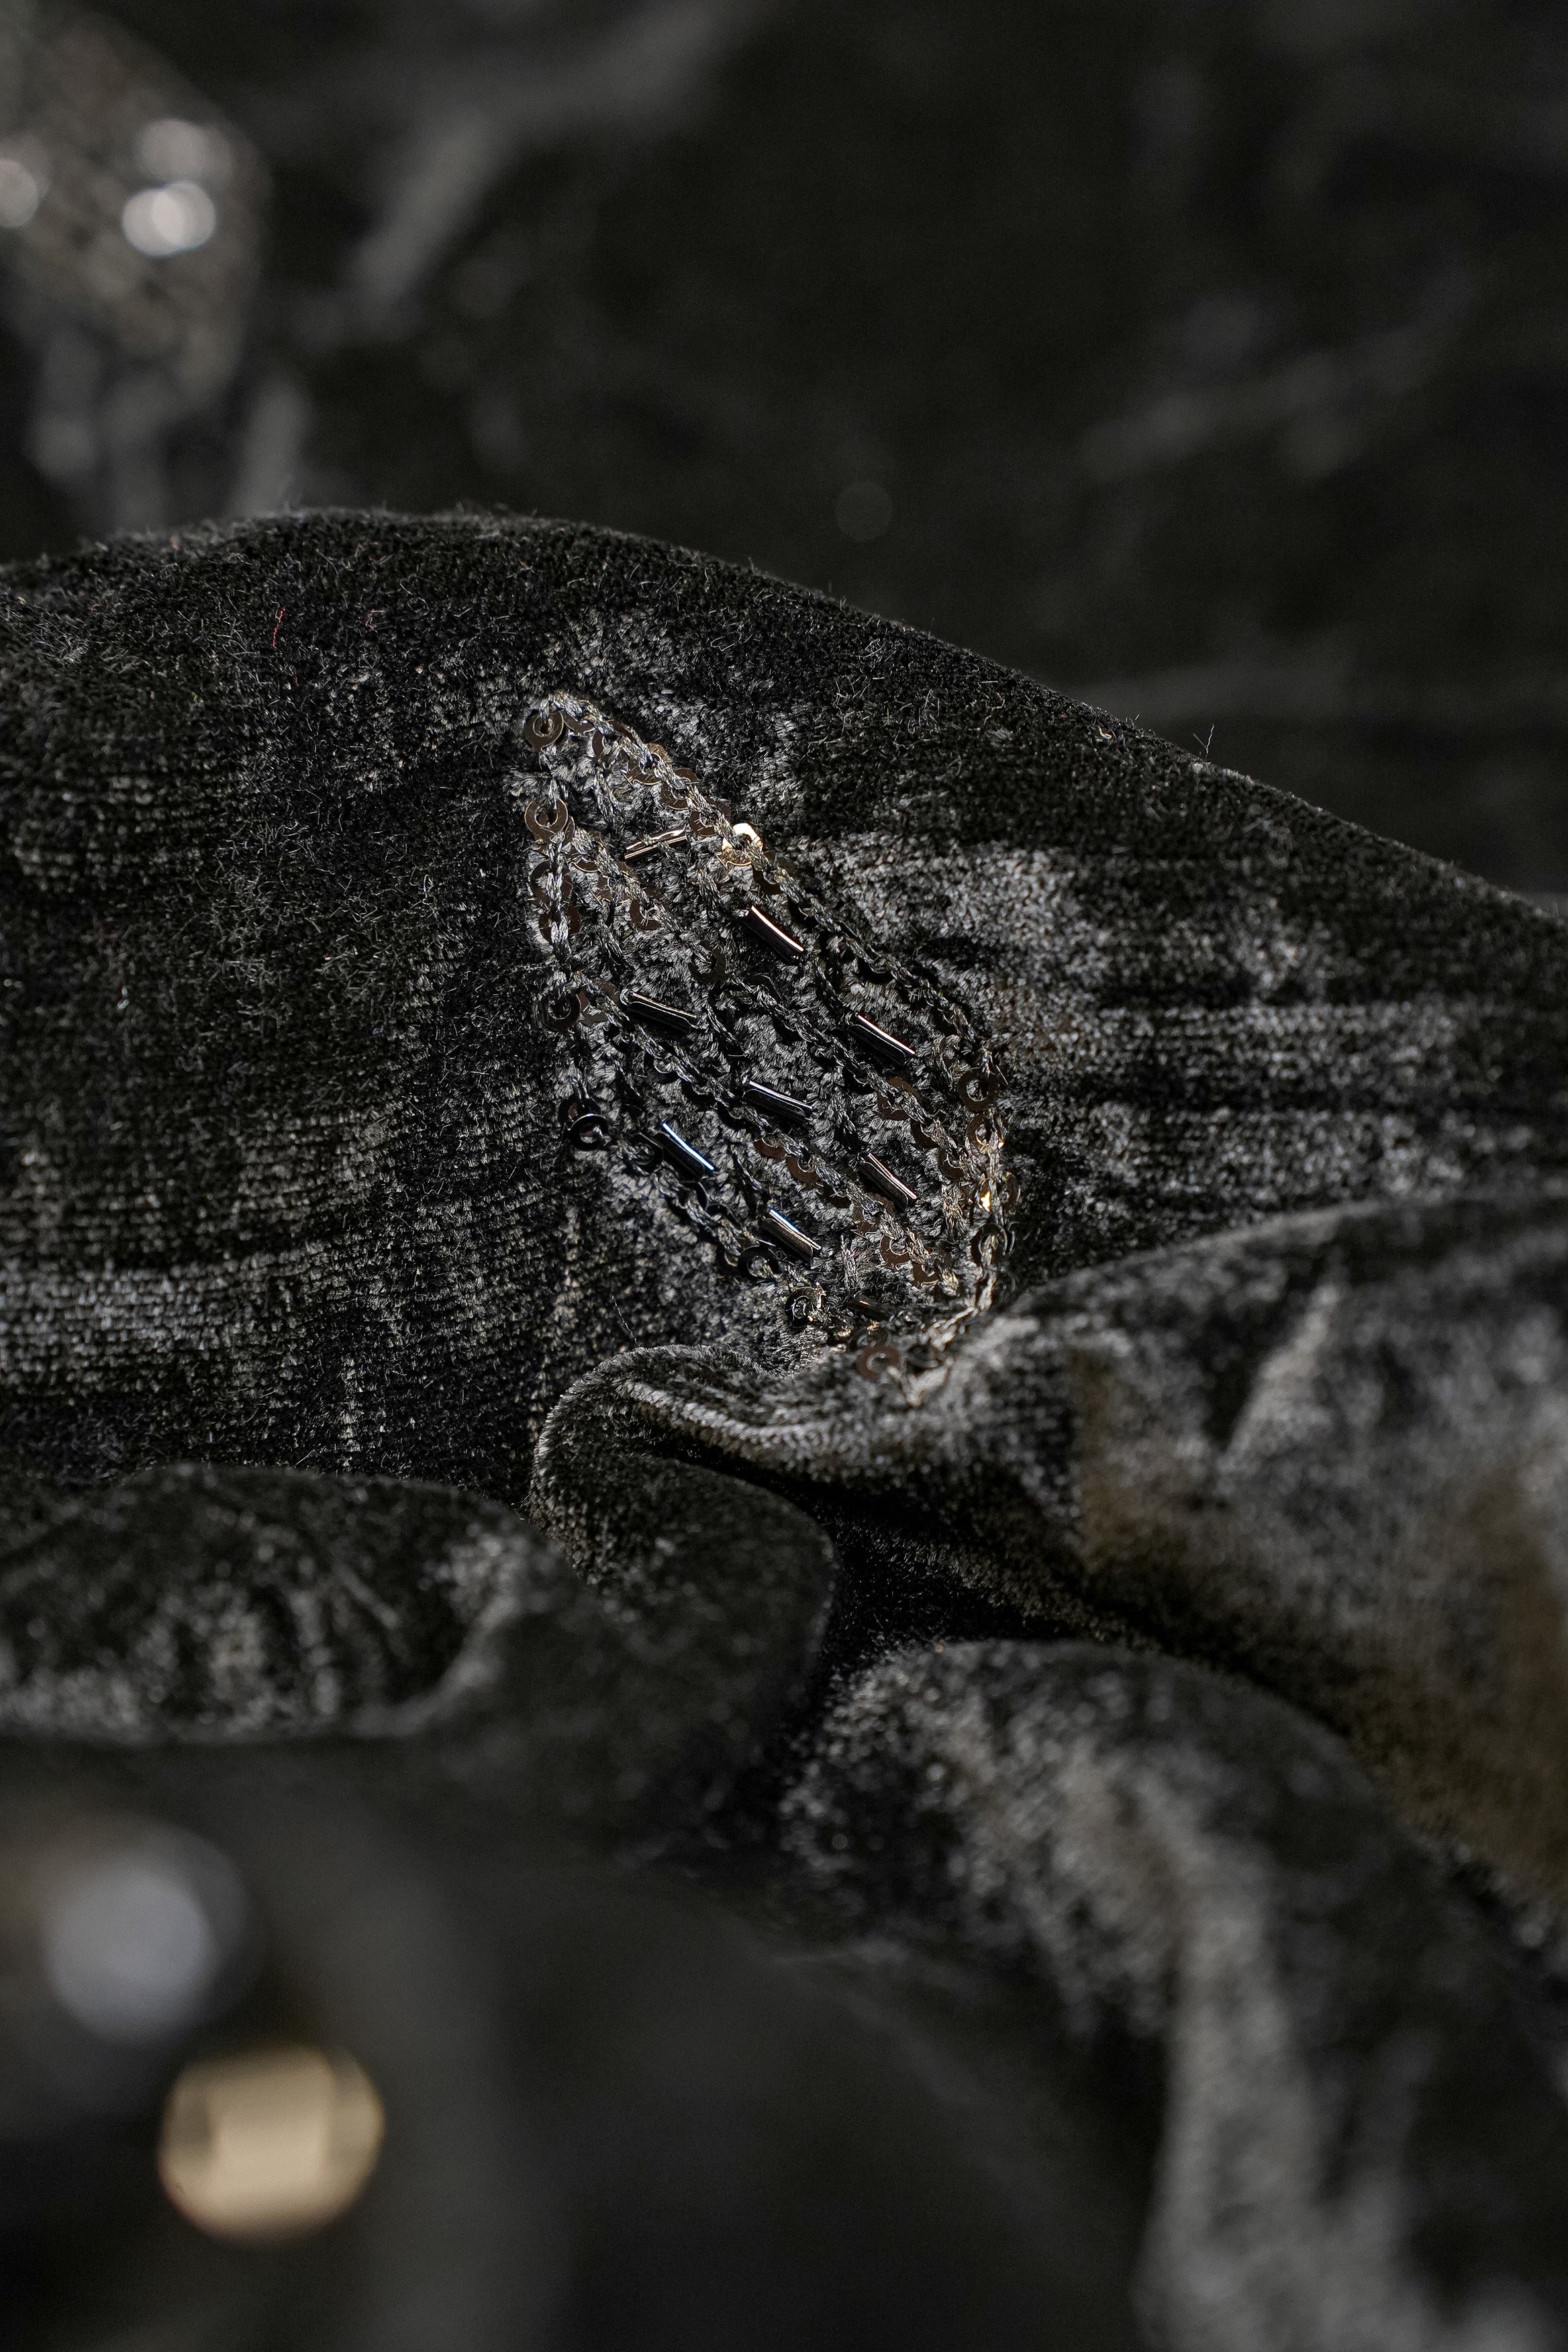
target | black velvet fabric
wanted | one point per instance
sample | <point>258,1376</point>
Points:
<point>1086,1590</point>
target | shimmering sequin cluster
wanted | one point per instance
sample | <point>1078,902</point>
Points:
<point>826,1118</point>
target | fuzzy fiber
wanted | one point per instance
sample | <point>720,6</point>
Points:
<point>1126,1580</point>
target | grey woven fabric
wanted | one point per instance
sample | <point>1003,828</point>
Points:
<point>1153,1241</point>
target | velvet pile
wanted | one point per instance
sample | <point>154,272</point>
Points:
<point>1072,1659</point>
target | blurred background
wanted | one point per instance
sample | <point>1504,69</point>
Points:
<point>1203,357</point>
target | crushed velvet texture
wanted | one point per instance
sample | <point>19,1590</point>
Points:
<point>315,1278</point>
<point>1199,1860</point>
<point>1330,1452</point>
<point>283,1180</point>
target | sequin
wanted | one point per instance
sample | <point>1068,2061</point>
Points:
<point>546,824</point>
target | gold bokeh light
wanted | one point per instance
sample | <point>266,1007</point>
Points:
<point>269,2143</point>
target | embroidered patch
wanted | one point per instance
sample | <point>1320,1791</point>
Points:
<point>826,1119</point>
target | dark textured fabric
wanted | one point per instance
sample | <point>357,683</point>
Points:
<point>1328,1452</point>
<point>1341,2083</point>
<point>342,1223</point>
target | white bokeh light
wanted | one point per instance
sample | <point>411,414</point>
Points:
<point>176,218</point>
<point>20,195</point>
<point>173,149</point>
<point>128,1946</point>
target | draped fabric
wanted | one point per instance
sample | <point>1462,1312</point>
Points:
<point>1098,1585</point>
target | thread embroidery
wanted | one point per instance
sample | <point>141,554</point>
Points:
<point>826,1119</point>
